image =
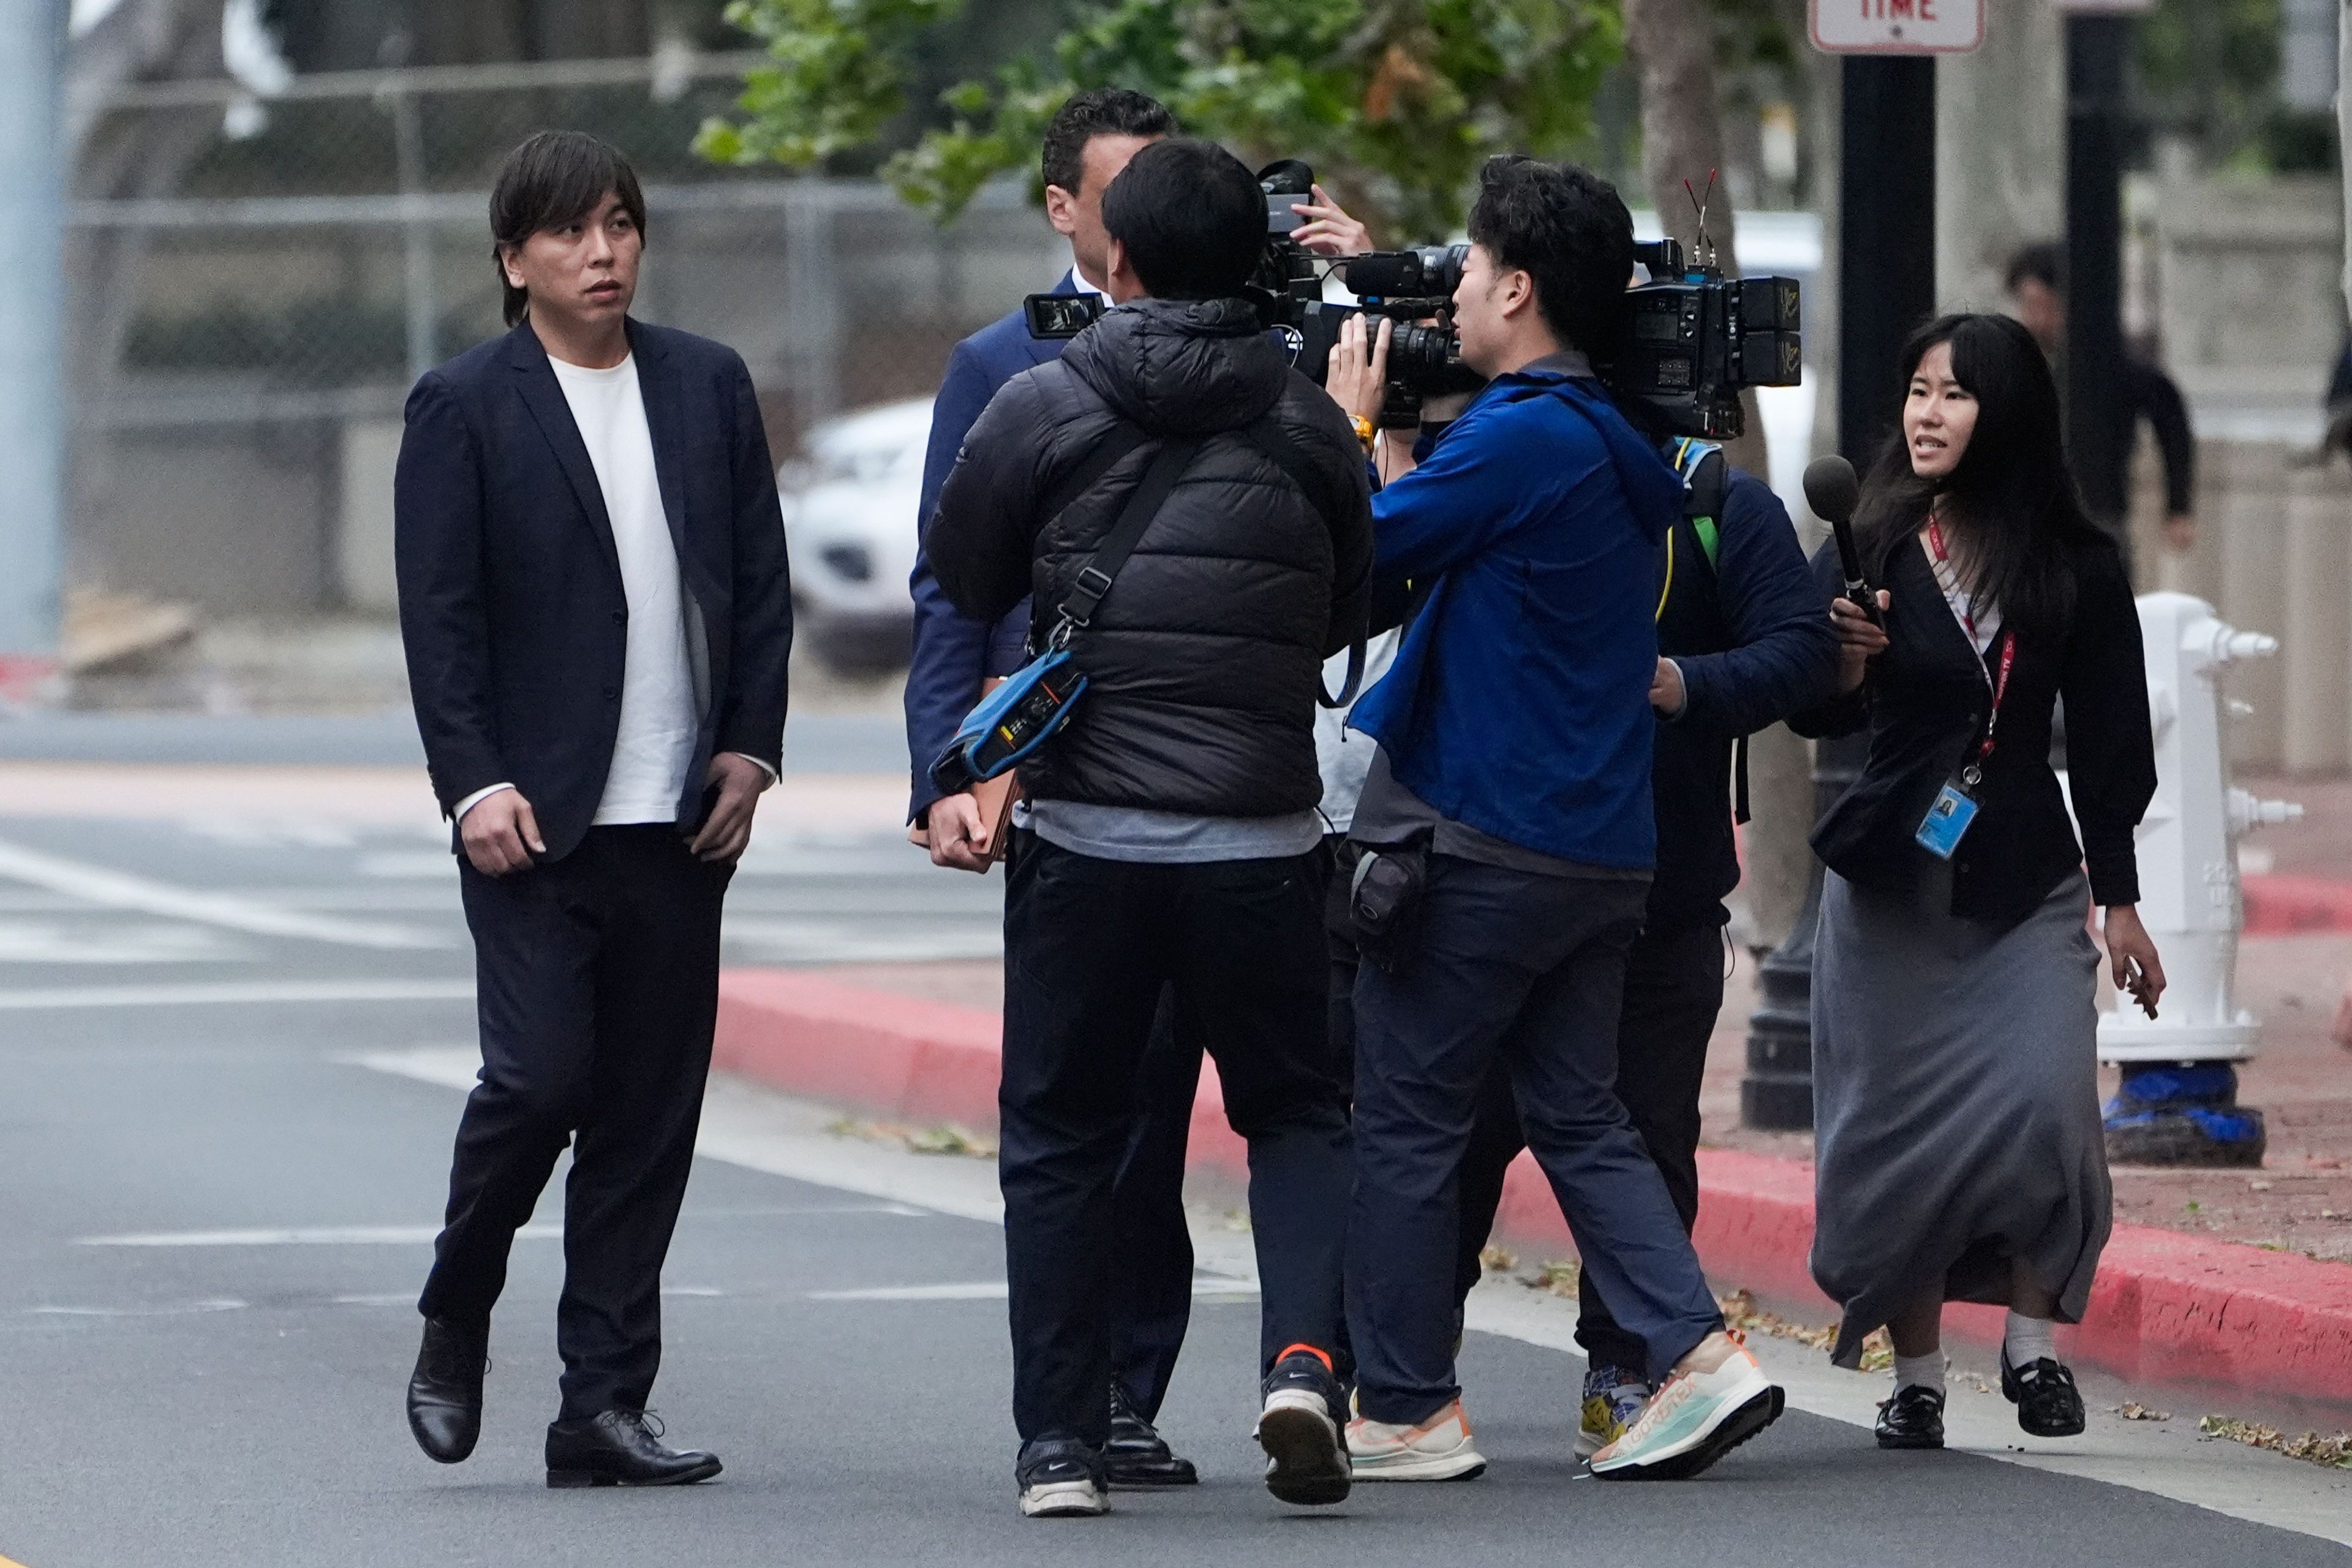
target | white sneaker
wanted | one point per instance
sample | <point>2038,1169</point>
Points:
<point>1695,1419</point>
<point>1061,1499</point>
<point>1438,1449</point>
<point>1306,1458</point>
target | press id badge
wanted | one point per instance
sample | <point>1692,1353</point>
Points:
<point>1947,818</point>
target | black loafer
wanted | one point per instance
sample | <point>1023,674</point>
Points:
<point>2048,1404</point>
<point>620,1448</point>
<point>1137,1455</point>
<point>445,1391</point>
<point>1914,1418</point>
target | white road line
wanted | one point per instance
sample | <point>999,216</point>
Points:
<point>995,1290</point>
<point>233,993</point>
<point>316,1236</point>
<point>421,1235</point>
<point>173,1310</point>
<point>84,940</point>
<point>124,890</point>
<point>973,1291</point>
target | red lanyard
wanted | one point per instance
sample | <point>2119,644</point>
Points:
<point>2007,653</point>
<point>1947,577</point>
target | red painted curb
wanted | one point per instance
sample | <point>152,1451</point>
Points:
<point>2168,1308</point>
<point>2282,905</point>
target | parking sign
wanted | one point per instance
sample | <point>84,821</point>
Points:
<point>1898,27</point>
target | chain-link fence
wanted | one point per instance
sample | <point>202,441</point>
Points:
<point>256,285</point>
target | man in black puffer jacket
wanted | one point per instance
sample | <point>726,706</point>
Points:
<point>1171,831</point>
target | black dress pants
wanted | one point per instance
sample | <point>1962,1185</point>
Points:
<point>1155,1240</point>
<point>1674,989</point>
<point>597,982</point>
<point>1089,946</point>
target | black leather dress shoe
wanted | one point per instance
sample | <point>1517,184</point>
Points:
<point>620,1448</point>
<point>445,1391</point>
<point>1914,1418</point>
<point>2048,1404</point>
<point>1137,1455</point>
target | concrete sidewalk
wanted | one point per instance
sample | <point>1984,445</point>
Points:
<point>2182,1310</point>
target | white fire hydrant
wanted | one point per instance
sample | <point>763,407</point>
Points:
<point>2178,1104</point>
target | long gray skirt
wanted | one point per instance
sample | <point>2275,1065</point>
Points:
<point>1956,1103</point>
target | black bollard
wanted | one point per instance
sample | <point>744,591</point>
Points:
<point>1886,286</point>
<point>1776,1095</point>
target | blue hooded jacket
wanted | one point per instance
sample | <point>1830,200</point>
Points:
<point>1519,702</point>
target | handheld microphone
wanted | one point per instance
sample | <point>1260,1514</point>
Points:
<point>1832,490</point>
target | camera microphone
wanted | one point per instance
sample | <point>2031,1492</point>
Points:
<point>1834,492</point>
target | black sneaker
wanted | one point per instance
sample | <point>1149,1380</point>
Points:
<point>1914,1418</point>
<point>2048,1405</point>
<point>1060,1477</point>
<point>1303,1427</point>
<point>1137,1455</point>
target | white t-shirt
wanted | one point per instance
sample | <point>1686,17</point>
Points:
<point>655,743</point>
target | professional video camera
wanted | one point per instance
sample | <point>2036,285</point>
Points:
<point>1694,339</point>
<point>1408,287</point>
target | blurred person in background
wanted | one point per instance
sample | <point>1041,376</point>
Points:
<point>2037,290</point>
<point>597,619</point>
<point>955,661</point>
<point>1960,1156</point>
<point>1506,824</point>
<point>1171,832</point>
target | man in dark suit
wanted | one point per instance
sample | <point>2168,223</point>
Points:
<point>597,618</point>
<point>1089,141</point>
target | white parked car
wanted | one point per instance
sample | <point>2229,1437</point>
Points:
<point>850,528</point>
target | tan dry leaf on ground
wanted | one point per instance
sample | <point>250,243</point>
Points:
<point>1558,1276</point>
<point>2311,1447</point>
<point>2132,1410</point>
<point>1497,1258</point>
<point>944,1138</point>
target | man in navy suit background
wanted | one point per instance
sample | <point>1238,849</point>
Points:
<point>597,619</point>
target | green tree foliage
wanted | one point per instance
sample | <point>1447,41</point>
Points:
<point>2210,68</point>
<point>1395,102</point>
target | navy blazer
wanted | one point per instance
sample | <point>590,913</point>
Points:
<point>512,612</point>
<point>952,654</point>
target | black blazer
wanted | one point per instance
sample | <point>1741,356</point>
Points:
<point>1926,701</point>
<point>511,606</point>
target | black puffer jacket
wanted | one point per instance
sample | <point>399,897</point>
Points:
<point>1205,657</point>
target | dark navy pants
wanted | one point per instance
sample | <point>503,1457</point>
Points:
<point>1528,971</point>
<point>1674,989</point>
<point>1091,946</point>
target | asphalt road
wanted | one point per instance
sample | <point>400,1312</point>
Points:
<point>230,1060</point>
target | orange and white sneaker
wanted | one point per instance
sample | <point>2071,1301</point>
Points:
<point>1437,1449</point>
<point>1693,1421</point>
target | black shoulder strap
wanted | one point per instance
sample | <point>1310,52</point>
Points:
<point>1286,457</point>
<point>1095,578</point>
<point>1283,456</point>
<point>1120,439</point>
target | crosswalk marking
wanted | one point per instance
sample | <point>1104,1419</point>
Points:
<point>124,890</point>
<point>237,994</point>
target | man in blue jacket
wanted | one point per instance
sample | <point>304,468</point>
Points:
<point>1087,143</point>
<point>1742,644</point>
<point>1515,736</point>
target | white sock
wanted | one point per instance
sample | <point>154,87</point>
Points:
<point>1920,1371</point>
<point>2028,1340</point>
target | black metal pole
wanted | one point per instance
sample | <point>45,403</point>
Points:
<point>1886,286</point>
<point>2098,425</point>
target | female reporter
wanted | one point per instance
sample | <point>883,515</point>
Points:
<point>1959,1153</point>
